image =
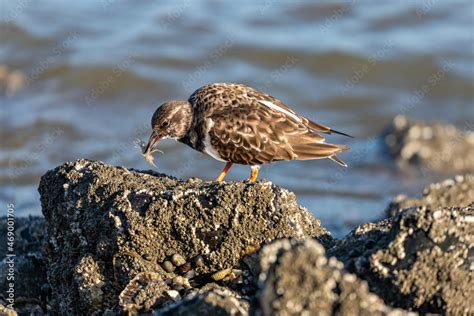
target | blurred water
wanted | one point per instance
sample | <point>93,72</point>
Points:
<point>96,71</point>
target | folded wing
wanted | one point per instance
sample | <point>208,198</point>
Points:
<point>256,134</point>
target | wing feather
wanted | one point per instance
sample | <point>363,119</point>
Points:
<point>252,135</point>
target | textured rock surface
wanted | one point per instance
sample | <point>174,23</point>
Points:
<point>105,225</point>
<point>211,299</point>
<point>147,291</point>
<point>30,284</point>
<point>119,240</point>
<point>452,192</point>
<point>298,279</point>
<point>432,146</point>
<point>421,259</point>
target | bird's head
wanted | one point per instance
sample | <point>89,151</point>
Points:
<point>171,120</point>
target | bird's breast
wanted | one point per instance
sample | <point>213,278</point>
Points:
<point>196,135</point>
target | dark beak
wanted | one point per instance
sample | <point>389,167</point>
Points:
<point>152,144</point>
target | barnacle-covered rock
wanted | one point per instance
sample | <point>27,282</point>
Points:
<point>421,259</point>
<point>7,311</point>
<point>27,269</point>
<point>297,278</point>
<point>212,299</point>
<point>106,225</point>
<point>450,192</point>
<point>431,146</point>
<point>145,292</point>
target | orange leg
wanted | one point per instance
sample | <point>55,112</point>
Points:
<point>254,173</point>
<point>224,172</point>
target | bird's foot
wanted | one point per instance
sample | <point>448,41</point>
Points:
<point>254,173</point>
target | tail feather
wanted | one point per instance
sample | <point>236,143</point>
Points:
<point>340,133</point>
<point>318,150</point>
<point>324,129</point>
<point>318,127</point>
<point>339,161</point>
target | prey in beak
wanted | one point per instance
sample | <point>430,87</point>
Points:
<point>150,148</point>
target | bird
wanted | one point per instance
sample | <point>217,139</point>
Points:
<point>237,124</point>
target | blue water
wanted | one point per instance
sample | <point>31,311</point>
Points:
<point>96,71</point>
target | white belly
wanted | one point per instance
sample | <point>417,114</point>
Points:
<point>208,148</point>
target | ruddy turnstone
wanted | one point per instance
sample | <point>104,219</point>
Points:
<point>235,123</point>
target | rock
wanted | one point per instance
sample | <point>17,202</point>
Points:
<point>105,225</point>
<point>31,287</point>
<point>7,311</point>
<point>146,292</point>
<point>420,259</point>
<point>297,278</point>
<point>11,80</point>
<point>177,260</point>
<point>212,299</point>
<point>431,146</point>
<point>452,192</point>
<point>181,282</point>
<point>198,262</point>
<point>168,266</point>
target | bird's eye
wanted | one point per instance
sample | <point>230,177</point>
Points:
<point>165,124</point>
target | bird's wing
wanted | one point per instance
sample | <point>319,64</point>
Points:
<point>256,134</point>
<point>276,104</point>
<point>235,94</point>
<point>273,103</point>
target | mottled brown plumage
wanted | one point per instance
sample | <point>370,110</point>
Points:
<point>238,124</point>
